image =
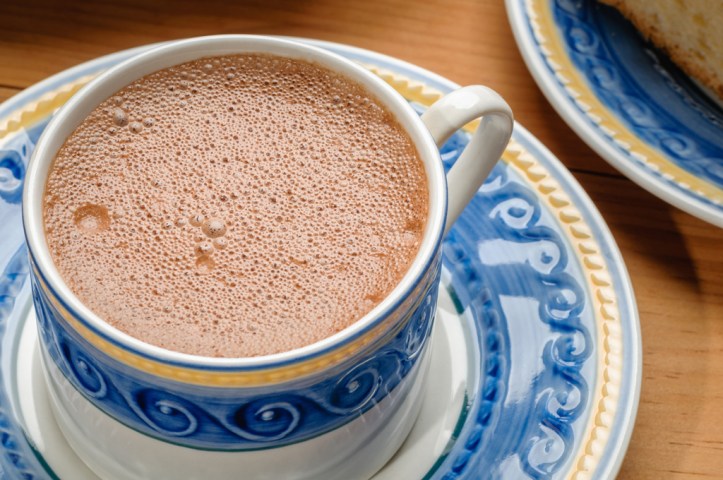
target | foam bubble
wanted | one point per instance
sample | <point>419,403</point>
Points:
<point>91,219</point>
<point>196,220</point>
<point>204,248</point>
<point>214,227</point>
<point>120,117</point>
<point>204,265</point>
<point>257,240</point>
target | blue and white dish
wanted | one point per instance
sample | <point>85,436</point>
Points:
<point>536,355</point>
<point>626,100</point>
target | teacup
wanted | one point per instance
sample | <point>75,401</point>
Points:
<point>338,408</point>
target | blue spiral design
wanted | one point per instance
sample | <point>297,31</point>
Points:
<point>12,172</point>
<point>357,388</point>
<point>86,374</point>
<point>420,330</point>
<point>163,412</point>
<point>477,285</point>
<point>239,419</point>
<point>266,420</point>
<point>531,262</point>
<point>16,456</point>
<point>649,95</point>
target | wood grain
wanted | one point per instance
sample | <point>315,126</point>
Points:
<point>6,93</point>
<point>675,261</point>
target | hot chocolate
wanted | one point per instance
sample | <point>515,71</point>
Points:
<point>236,206</point>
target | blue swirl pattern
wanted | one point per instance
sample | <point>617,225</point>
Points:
<point>240,419</point>
<point>15,454</point>
<point>502,433</point>
<point>516,252</point>
<point>17,459</point>
<point>638,84</point>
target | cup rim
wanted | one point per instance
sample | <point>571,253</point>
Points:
<point>44,153</point>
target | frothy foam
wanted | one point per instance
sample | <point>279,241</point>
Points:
<point>236,206</point>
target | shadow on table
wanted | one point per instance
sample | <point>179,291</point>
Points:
<point>664,250</point>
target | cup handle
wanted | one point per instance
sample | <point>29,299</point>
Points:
<point>452,112</point>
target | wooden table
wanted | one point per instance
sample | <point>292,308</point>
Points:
<point>675,260</point>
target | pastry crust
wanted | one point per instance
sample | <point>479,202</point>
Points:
<point>687,30</point>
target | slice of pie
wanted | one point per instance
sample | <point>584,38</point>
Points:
<point>689,31</point>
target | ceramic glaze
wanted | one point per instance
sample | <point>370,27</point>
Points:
<point>324,403</point>
<point>240,418</point>
<point>634,81</point>
<point>626,100</point>
<point>526,297</point>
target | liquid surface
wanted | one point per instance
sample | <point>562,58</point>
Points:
<point>236,206</point>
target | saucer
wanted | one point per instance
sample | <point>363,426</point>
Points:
<point>626,100</point>
<point>536,361</point>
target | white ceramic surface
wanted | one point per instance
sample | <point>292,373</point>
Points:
<point>529,231</point>
<point>355,449</point>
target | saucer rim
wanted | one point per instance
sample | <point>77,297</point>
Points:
<point>612,457</point>
<point>593,218</point>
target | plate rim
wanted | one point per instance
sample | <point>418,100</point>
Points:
<point>579,122</point>
<point>594,218</point>
<point>615,457</point>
